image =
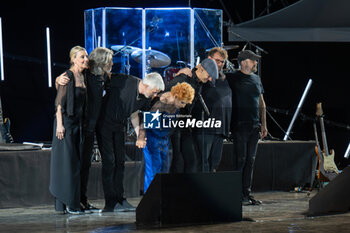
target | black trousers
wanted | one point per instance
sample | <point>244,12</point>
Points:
<point>111,142</point>
<point>209,148</point>
<point>245,144</point>
<point>176,165</point>
<point>87,150</point>
<point>184,154</point>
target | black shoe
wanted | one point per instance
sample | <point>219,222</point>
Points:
<point>109,205</point>
<point>249,200</point>
<point>74,211</point>
<point>88,208</point>
<point>107,209</point>
<point>254,201</point>
<point>246,201</point>
<point>124,207</point>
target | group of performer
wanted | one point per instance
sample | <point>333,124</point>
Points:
<point>92,100</point>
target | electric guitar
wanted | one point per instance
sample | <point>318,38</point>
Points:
<point>5,136</point>
<point>327,169</point>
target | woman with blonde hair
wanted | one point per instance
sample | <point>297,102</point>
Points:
<point>65,154</point>
<point>97,78</point>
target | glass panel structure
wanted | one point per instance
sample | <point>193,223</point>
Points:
<point>153,39</point>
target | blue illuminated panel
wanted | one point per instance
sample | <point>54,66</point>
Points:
<point>207,30</point>
<point>180,34</point>
<point>169,32</point>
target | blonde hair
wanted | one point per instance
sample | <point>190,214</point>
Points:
<point>74,51</point>
<point>99,58</point>
<point>183,91</point>
<point>221,51</point>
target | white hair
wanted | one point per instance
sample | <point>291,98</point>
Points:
<point>154,80</point>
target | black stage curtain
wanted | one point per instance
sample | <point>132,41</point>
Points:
<point>279,165</point>
<point>25,177</point>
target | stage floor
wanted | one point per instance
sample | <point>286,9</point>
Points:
<point>280,212</point>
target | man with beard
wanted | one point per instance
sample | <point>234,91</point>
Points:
<point>248,121</point>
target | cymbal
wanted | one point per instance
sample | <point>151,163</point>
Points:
<point>155,59</point>
<point>226,47</point>
<point>229,47</point>
<point>124,48</point>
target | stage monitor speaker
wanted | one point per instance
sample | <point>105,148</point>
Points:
<point>191,198</point>
<point>335,197</point>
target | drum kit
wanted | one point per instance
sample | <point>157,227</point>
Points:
<point>154,59</point>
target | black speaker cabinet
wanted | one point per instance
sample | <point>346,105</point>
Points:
<point>191,198</point>
<point>335,197</point>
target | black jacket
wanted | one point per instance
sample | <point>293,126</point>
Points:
<point>95,90</point>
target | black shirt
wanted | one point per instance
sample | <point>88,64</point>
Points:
<point>219,102</point>
<point>246,91</point>
<point>122,99</point>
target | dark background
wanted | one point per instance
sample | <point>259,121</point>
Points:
<point>285,70</point>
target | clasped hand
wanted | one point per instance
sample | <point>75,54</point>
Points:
<point>141,143</point>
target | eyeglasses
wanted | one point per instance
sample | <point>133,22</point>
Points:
<point>219,61</point>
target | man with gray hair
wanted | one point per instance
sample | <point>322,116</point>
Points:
<point>100,66</point>
<point>125,95</point>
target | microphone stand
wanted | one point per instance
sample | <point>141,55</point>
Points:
<point>151,29</point>
<point>258,49</point>
<point>206,110</point>
<point>205,107</point>
<point>274,120</point>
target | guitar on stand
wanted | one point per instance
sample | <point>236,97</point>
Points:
<point>5,136</point>
<point>327,169</point>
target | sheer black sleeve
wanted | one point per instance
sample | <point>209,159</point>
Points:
<point>61,96</point>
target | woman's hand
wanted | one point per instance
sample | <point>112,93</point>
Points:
<point>141,143</point>
<point>60,130</point>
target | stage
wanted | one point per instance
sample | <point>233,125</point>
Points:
<point>279,165</point>
<point>25,178</point>
<point>280,212</point>
<point>24,175</point>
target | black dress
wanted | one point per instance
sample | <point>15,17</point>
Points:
<point>65,153</point>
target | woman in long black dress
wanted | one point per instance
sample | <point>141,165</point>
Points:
<point>66,143</point>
